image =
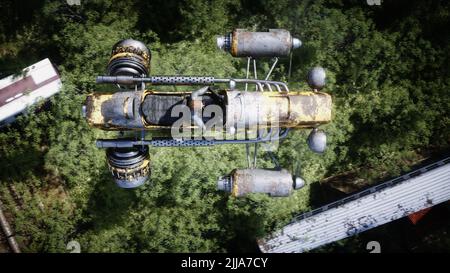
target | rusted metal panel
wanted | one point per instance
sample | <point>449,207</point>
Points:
<point>114,111</point>
<point>417,216</point>
<point>293,109</point>
<point>359,212</point>
<point>310,107</point>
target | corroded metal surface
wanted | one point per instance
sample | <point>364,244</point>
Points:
<point>370,208</point>
<point>273,43</point>
<point>294,109</point>
<point>114,111</point>
<point>276,183</point>
<point>124,110</point>
<point>130,167</point>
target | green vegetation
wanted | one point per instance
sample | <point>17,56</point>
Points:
<point>388,71</point>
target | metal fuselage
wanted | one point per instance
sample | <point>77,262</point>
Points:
<point>151,110</point>
<point>207,116</point>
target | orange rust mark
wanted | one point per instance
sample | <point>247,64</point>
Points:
<point>234,44</point>
<point>417,216</point>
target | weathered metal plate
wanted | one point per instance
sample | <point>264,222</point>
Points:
<point>129,110</point>
<point>359,212</point>
<point>17,92</point>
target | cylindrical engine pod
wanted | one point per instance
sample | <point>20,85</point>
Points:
<point>129,58</point>
<point>276,183</point>
<point>130,167</point>
<point>273,43</point>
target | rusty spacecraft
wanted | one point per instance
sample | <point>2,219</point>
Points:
<point>219,111</point>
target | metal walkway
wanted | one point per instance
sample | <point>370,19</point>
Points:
<point>383,203</point>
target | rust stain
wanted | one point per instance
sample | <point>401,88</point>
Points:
<point>289,110</point>
<point>234,43</point>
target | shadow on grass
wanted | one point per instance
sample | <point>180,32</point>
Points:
<point>108,204</point>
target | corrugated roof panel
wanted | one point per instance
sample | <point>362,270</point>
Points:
<point>17,92</point>
<point>386,202</point>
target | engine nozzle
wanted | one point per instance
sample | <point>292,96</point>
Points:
<point>129,58</point>
<point>130,167</point>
